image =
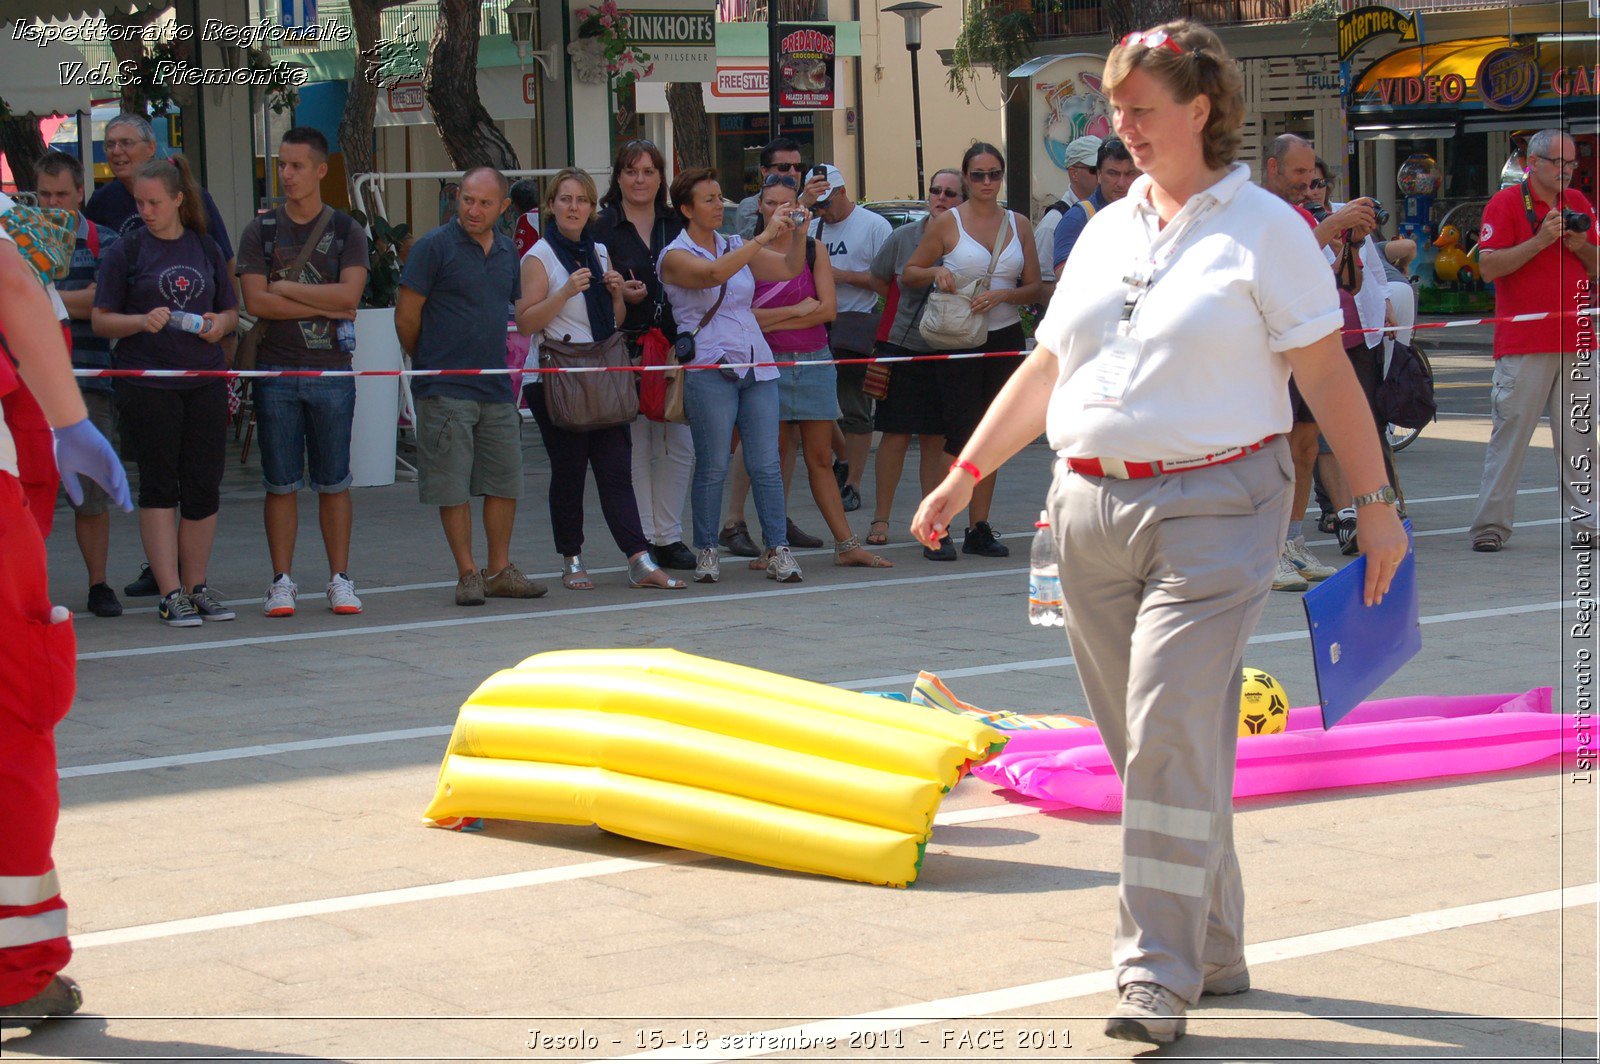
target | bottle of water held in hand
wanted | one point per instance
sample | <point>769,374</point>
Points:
<point>183,321</point>
<point>1044,579</point>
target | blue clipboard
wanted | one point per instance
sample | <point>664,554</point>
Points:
<point>1356,648</point>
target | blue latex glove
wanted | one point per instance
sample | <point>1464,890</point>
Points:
<point>81,449</point>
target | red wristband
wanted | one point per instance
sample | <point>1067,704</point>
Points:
<point>963,464</point>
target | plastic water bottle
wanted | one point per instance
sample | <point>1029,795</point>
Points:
<point>1044,579</point>
<point>183,321</point>
<point>344,336</point>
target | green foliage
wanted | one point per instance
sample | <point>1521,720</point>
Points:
<point>383,260</point>
<point>997,34</point>
<point>1318,11</point>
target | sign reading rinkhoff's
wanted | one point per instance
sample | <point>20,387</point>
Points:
<point>680,36</point>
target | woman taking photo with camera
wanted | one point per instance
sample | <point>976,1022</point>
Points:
<point>710,281</point>
<point>1160,377</point>
<point>164,294</point>
<point>571,294</point>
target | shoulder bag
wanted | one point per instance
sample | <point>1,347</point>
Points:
<point>250,343</point>
<point>850,331</point>
<point>948,323</point>
<point>601,399</point>
<point>1405,395</point>
<point>683,353</point>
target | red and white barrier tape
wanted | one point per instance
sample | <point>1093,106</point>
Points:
<point>497,371</point>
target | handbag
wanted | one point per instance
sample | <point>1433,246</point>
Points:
<point>948,323</point>
<point>655,350</point>
<point>245,357</point>
<point>683,351</point>
<point>1405,395</point>
<point>582,402</point>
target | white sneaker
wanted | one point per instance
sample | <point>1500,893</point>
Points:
<point>342,595</point>
<point>707,570</point>
<point>1288,577</point>
<point>782,567</point>
<point>1306,562</point>
<point>280,597</point>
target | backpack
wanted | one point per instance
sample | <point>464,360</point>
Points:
<point>1405,395</point>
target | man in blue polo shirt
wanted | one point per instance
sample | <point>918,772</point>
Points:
<point>60,184</point>
<point>1114,173</point>
<point>451,314</point>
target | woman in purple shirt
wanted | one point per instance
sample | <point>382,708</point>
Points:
<point>710,281</point>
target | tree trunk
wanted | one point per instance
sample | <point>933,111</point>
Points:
<point>1127,16</point>
<point>469,134</point>
<point>22,144</point>
<point>131,48</point>
<point>691,126</point>
<point>361,99</point>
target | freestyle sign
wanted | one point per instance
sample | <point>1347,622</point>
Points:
<point>1361,25</point>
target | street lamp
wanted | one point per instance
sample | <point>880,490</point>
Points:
<point>520,14</point>
<point>912,11</point>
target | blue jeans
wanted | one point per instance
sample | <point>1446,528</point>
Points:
<point>301,420</point>
<point>715,406</point>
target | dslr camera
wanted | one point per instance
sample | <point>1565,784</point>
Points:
<point>1378,209</point>
<point>1575,221</point>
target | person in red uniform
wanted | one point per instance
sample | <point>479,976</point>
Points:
<point>1538,263</point>
<point>37,652</point>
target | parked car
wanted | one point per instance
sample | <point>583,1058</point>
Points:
<point>898,212</point>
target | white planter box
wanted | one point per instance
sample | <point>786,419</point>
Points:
<point>372,442</point>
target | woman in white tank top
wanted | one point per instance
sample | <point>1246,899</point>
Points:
<point>964,239</point>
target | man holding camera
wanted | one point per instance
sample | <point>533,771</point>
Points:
<point>1538,247</point>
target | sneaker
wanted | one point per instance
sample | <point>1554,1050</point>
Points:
<point>707,570</point>
<point>342,596</point>
<point>469,589</point>
<point>280,597</point>
<point>841,472</point>
<point>1306,562</point>
<point>945,553</point>
<point>60,997</point>
<point>144,585</point>
<point>1148,1012</point>
<point>673,555</point>
<point>735,536</point>
<point>1223,979</point>
<point>209,606</point>
<point>799,538</point>
<point>1328,522</point>
<point>850,497</point>
<point>103,601</point>
<point>510,583</point>
<point>1288,576</point>
<point>1347,533</point>
<point>782,567</point>
<point>176,611</point>
<point>980,539</point>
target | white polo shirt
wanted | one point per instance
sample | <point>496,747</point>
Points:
<point>1243,282</point>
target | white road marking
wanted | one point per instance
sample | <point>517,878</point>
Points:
<point>1030,995</point>
<point>896,680</point>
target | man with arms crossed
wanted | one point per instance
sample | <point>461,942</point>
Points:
<point>304,420</point>
<point>451,314</point>
<point>1538,262</point>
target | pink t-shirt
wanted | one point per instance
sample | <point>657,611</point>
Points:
<point>770,295</point>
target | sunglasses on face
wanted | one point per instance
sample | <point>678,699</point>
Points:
<point>985,175</point>
<point>951,193</point>
<point>1152,39</point>
<point>787,168</point>
<point>1318,182</point>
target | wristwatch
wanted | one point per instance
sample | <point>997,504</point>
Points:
<point>1384,495</point>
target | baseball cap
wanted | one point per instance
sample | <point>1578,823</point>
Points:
<point>835,180</point>
<point>1083,151</point>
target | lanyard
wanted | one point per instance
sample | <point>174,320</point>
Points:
<point>1144,275</point>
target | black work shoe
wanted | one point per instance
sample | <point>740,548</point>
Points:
<point>736,538</point>
<point>60,997</point>
<point>798,537</point>
<point>144,585</point>
<point>980,539</point>
<point>103,601</point>
<point>1328,522</point>
<point>841,473</point>
<point>675,555</point>
<point>850,497</point>
<point>945,553</point>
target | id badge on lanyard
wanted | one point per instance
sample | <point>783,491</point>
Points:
<point>1120,349</point>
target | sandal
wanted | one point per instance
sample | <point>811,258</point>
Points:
<point>574,577</point>
<point>1487,542</point>
<point>877,539</point>
<point>642,568</point>
<point>843,547</point>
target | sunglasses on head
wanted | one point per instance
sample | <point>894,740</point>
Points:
<point>779,179</point>
<point>985,175</point>
<point>787,168</point>
<point>1152,39</point>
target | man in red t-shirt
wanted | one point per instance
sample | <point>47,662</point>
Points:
<point>1538,264</point>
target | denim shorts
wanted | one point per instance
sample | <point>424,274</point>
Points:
<point>301,422</point>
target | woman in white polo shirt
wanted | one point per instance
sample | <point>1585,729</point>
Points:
<point>1159,377</point>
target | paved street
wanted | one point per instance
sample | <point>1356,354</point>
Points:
<point>242,849</point>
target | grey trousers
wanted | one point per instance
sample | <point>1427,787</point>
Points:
<point>1165,579</point>
<point>1526,386</point>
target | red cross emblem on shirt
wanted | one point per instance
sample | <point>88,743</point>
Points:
<point>181,284</point>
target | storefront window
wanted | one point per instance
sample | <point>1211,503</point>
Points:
<point>740,139</point>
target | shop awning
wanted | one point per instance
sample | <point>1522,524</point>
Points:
<point>32,83</point>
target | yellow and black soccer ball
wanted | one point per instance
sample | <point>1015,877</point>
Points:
<point>1263,704</point>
